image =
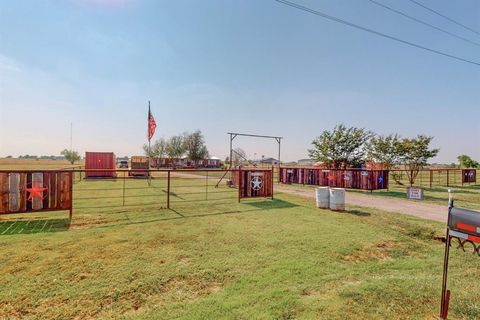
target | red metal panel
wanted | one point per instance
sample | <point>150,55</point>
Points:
<point>97,161</point>
<point>139,162</point>
<point>336,178</point>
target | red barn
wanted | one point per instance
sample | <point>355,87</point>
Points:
<point>97,161</point>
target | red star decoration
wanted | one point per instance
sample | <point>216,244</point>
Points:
<point>36,191</point>
<point>330,177</point>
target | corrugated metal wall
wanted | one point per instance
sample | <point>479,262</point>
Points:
<point>100,160</point>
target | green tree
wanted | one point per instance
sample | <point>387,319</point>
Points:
<point>157,150</point>
<point>467,162</point>
<point>70,155</point>
<point>341,148</point>
<point>385,150</point>
<point>174,147</point>
<point>194,146</point>
<point>415,153</point>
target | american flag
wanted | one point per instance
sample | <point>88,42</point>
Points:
<point>151,124</point>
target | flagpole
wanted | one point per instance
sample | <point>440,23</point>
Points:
<point>148,137</point>
<point>148,129</point>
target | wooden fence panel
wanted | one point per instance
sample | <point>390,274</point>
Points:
<point>30,191</point>
<point>336,178</point>
<point>255,183</point>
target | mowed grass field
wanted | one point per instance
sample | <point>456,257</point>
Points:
<point>211,257</point>
<point>27,164</point>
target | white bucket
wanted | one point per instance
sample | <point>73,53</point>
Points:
<point>323,197</point>
<point>337,199</point>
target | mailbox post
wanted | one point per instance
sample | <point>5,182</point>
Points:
<point>463,225</point>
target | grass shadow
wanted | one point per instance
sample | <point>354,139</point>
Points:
<point>358,213</point>
<point>173,194</point>
<point>11,227</point>
<point>179,216</point>
<point>272,204</point>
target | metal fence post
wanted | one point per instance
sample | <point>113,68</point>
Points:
<point>168,190</point>
<point>124,188</point>
<point>206,186</point>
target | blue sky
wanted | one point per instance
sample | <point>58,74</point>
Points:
<point>219,66</point>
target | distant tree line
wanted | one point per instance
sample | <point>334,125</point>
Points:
<point>69,155</point>
<point>34,157</point>
<point>192,145</point>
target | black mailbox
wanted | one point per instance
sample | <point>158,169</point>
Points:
<point>464,224</point>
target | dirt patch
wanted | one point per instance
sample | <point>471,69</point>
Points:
<point>381,252</point>
<point>87,223</point>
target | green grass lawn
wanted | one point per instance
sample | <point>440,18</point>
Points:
<point>220,259</point>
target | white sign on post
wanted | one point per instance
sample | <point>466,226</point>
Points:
<point>415,193</point>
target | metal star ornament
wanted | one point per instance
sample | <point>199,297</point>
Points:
<point>36,190</point>
<point>256,183</point>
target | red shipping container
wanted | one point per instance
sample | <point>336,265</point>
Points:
<point>100,160</point>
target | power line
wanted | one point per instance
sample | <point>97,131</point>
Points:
<point>445,17</point>
<point>378,33</point>
<point>423,22</point>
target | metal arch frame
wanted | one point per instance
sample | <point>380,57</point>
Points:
<point>233,135</point>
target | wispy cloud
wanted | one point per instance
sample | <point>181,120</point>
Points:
<point>102,3</point>
<point>8,64</point>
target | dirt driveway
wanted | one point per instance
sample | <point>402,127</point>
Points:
<point>410,207</point>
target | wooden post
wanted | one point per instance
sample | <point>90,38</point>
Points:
<point>239,183</point>
<point>371,182</point>
<point>448,176</point>
<point>168,190</point>
<point>431,178</point>
<point>206,186</point>
<point>71,198</point>
<point>273,168</point>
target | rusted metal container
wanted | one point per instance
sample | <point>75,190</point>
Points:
<point>139,162</point>
<point>336,178</point>
<point>96,161</point>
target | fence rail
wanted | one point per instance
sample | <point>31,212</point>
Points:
<point>429,178</point>
<point>159,187</point>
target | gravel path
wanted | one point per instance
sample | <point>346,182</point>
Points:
<point>410,207</point>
